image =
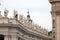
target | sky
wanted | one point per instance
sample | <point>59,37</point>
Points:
<point>39,10</point>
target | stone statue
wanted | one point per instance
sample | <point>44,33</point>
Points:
<point>6,12</point>
<point>15,14</point>
<point>21,18</point>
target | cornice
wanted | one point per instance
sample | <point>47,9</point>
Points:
<point>24,29</point>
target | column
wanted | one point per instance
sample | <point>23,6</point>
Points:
<point>5,37</point>
<point>14,37</point>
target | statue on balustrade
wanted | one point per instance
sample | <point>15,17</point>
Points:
<point>6,12</point>
<point>15,14</point>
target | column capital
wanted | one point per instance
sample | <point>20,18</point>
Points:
<point>57,12</point>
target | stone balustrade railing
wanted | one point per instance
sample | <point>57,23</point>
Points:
<point>32,25</point>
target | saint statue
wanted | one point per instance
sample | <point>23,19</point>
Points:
<point>15,14</point>
<point>6,12</point>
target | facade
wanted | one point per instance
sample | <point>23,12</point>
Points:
<point>20,29</point>
<point>55,19</point>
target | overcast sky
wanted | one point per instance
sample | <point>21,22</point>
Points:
<point>39,10</point>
